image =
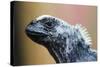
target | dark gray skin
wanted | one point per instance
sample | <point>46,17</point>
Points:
<point>64,42</point>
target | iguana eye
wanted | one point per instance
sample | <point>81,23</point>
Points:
<point>49,24</point>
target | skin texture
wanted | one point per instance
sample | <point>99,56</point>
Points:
<point>65,42</point>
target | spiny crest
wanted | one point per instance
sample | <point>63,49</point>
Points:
<point>84,33</point>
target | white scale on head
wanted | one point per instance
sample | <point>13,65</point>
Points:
<point>48,16</point>
<point>61,21</point>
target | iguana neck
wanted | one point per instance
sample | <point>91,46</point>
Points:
<point>59,54</point>
<point>62,56</point>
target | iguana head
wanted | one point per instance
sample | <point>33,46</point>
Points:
<point>59,37</point>
<point>45,29</point>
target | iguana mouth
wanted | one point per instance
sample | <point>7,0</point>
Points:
<point>33,33</point>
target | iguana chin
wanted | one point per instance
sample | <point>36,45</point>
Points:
<point>65,42</point>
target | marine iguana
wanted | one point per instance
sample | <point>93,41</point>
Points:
<point>65,42</point>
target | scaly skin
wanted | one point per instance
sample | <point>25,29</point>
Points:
<point>65,42</point>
